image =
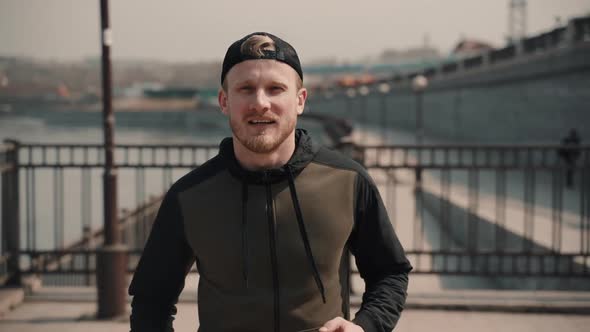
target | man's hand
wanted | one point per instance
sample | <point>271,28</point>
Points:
<point>340,324</point>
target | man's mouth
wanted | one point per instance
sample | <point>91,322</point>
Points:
<point>261,122</point>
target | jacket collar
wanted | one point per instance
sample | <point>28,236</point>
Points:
<point>305,150</point>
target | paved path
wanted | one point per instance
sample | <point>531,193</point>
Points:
<point>73,309</point>
<point>77,316</point>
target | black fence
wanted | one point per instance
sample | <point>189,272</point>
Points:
<point>56,203</point>
<point>458,210</point>
<point>488,210</point>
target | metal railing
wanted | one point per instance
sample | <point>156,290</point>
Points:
<point>61,196</point>
<point>477,210</point>
<point>506,210</point>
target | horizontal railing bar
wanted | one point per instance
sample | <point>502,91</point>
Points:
<point>520,254</point>
<point>421,272</point>
<point>6,167</point>
<point>74,272</point>
<point>515,146</point>
<point>80,252</point>
<point>485,253</point>
<point>46,165</point>
<point>523,167</point>
<point>523,147</point>
<point>118,146</point>
<point>578,274</point>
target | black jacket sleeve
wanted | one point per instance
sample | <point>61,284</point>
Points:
<point>380,259</point>
<point>161,271</point>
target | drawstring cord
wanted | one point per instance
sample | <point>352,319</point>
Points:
<point>245,232</point>
<point>302,231</point>
<point>316,273</point>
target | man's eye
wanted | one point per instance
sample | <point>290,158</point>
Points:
<point>277,88</point>
<point>246,88</point>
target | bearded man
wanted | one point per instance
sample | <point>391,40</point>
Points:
<point>271,219</point>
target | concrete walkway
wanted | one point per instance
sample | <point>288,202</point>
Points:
<point>72,309</point>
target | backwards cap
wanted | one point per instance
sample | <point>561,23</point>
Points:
<point>284,52</point>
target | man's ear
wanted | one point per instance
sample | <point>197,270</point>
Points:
<point>301,98</point>
<point>222,99</point>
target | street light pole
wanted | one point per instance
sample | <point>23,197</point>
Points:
<point>419,84</point>
<point>384,89</point>
<point>351,94</point>
<point>110,173</point>
<point>364,93</point>
<point>111,264</point>
<point>419,125</point>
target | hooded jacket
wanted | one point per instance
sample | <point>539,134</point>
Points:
<point>271,247</point>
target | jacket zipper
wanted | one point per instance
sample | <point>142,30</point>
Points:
<point>273,252</point>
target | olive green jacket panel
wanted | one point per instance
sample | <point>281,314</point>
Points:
<point>213,220</point>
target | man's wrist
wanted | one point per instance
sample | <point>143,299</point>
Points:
<point>365,321</point>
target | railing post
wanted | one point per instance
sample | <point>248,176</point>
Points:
<point>88,245</point>
<point>10,214</point>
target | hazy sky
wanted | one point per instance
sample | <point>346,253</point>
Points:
<point>192,30</point>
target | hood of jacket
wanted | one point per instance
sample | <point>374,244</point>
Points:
<point>305,150</point>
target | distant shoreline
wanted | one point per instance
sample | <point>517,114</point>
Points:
<point>131,104</point>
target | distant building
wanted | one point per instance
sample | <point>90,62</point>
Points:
<point>410,55</point>
<point>467,47</point>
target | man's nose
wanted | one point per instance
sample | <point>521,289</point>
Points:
<point>260,102</point>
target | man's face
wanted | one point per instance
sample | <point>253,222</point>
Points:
<point>262,102</point>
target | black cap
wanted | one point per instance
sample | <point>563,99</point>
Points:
<point>284,52</point>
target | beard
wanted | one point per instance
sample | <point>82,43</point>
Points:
<point>264,142</point>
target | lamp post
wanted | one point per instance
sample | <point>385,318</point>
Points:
<point>364,92</point>
<point>419,84</point>
<point>384,89</point>
<point>350,94</point>
<point>328,95</point>
<point>111,265</point>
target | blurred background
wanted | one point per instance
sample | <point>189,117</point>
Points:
<point>167,58</point>
<point>471,116</point>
